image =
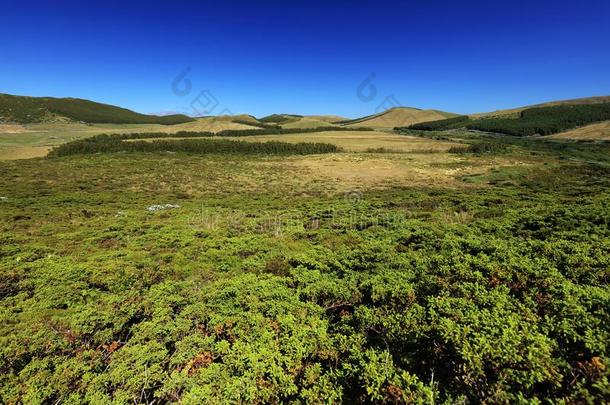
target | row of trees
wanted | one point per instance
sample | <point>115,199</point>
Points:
<point>114,143</point>
<point>533,121</point>
<point>275,130</point>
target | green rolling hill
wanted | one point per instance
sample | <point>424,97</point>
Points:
<point>24,110</point>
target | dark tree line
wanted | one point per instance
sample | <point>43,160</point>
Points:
<point>235,132</point>
<point>113,143</point>
<point>545,120</point>
<point>533,121</point>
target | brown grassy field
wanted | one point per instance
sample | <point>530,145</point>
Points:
<point>597,131</point>
<point>23,152</point>
<point>327,118</point>
<point>366,172</point>
<point>11,129</point>
<point>357,141</point>
<point>33,140</point>
<point>211,124</point>
<point>308,122</point>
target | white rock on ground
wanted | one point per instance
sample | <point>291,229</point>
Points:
<point>154,208</point>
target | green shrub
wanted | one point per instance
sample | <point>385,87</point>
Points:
<point>480,148</point>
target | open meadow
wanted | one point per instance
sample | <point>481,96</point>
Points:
<point>424,272</point>
<point>19,141</point>
<point>352,141</point>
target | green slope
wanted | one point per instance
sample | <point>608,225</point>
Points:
<point>25,110</point>
<point>280,118</point>
<point>532,121</point>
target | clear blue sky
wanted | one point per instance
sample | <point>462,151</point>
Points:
<point>307,57</point>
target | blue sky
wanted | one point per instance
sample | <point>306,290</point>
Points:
<point>307,57</point>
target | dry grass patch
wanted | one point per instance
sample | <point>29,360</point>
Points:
<point>12,129</point>
<point>339,173</point>
<point>308,122</point>
<point>23,152</point>
<point>399,117</point>
<point>597,131</point>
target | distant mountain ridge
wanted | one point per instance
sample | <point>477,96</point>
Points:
<point>24,110</point>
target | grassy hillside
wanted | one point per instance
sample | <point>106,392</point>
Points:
<point>280,118</point>
<point>397,117</point>
<point>597,131</point>
<point>326,118</point>
<point>514,112</point>
<point>307,122</point>
<point>23,110</point>
<point>533,121</point>
<point>545,120</point>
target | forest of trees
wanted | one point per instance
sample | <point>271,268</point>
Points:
<point>116,143</point>
<point>545,120</point>
<point>235,132</point>
<point>35,109</point>
<point>533,121</point>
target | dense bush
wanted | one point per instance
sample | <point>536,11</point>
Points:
<point>112,143</point>
<point>480,148</point>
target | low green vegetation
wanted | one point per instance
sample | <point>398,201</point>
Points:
<point>253,282</point>
<point>25,110</point>
<point>116,143</point>
<point>481,148</point>
<point>533,121</point>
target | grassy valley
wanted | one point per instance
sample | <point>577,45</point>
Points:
<point>238,260</point>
